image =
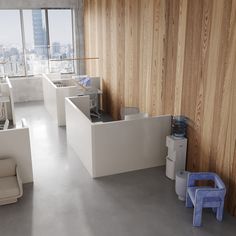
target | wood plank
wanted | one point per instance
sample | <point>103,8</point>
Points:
<point>158,59</point>
<point>131,75</point>
<point>180,56</point>
<point>172,22</point>
<point>232,126</point>
<point>208,113</point>
<point>227,128</point>
<point>120,25</point>
<point>191,93</point>
<point>145,55</point>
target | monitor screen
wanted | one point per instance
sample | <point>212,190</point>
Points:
<point>85,81</point>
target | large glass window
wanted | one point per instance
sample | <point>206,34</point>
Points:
<point>11,50</point>
<point>36,41</point>
<point>61,40</point>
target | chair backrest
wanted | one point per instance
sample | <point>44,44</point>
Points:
<point>6,124</point>
<point>86,81</point>
<point>219,183</point>
<point>206,176</point>
<point>136,116</point>
<point>128,111</point>
<point>7,167</point>
<point>23,123</point>
<point>93,101</point>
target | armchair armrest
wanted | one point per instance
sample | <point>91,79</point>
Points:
<point>219,183</point>
<point>19,181</point>
<point>208,193</point>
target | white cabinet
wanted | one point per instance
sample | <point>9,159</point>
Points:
<point>176,159</point>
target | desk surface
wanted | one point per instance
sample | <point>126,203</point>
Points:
<point>88,91</point>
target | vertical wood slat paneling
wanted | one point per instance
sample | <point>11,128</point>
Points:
<point>172,21</point>
<point>158,58</point>
<point>180,55</point>
<point>172,57</point>
<point>131,54</point>
<point>145,53</point>
<point>214,58</point>
<point>227,134</point>
<point>120,55</point>
<point>192,77</point>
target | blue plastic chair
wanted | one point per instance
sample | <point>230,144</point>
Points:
<point>201,197</point>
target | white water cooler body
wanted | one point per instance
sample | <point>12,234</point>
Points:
<point>176,159</point>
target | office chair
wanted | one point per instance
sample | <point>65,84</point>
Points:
<point>201,197</point>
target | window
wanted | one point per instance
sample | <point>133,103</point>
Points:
<point>61,40</point>
<point>11,50</point>
<point>36,41</point>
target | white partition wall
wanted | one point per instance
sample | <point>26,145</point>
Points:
<point>12,101</point>
<point>116,147</point>
<point>50,96</point>
<point>54,98</point>
<point>129,145</point>
<point>15,143</point>
<point>80,139</point>
<point>6,91</point>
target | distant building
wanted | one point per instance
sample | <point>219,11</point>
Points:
<point>1,50</point>
<point>40,39</point>
<point>56,48</point>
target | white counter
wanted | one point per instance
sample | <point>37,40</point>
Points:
<point>54,98</point>
<point>119,146</point>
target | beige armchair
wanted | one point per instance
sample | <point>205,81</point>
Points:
<point>10,182</point>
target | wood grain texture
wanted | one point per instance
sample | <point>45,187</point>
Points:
<point>180,56</point>
<point>172,57</point>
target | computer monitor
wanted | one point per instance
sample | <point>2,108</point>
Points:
<point>85,81</point>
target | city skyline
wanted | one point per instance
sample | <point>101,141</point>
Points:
<point>35,59</point>
<point>11,32</point>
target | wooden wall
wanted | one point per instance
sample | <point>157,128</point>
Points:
<point>172,57</point>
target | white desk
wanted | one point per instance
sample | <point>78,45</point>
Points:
<point>83,91</point>
<point>137,144</point>
<point>55,92</point>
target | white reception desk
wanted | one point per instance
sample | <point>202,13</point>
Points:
<point>118,146</point>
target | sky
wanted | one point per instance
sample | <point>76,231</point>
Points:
<point>60,30</point>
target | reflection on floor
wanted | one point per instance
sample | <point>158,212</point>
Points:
<point>65,201</point>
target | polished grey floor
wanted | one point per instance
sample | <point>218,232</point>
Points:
<point>64,200</point>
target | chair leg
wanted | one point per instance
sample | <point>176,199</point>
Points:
<point>219,212</point>
<point>197,215</point>
<point>214,209</point>
<point>188,202</point>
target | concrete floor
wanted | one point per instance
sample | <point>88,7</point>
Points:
<point>64,200</point>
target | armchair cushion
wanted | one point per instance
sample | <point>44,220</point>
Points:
<point>10,182</point>
<point>7,167</point>
<point>9,187</point>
